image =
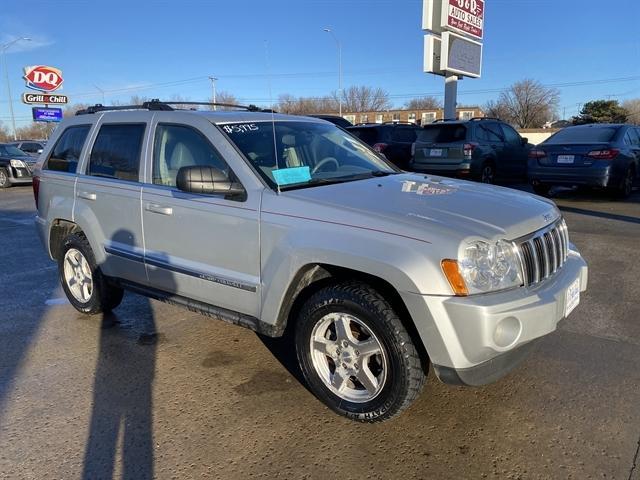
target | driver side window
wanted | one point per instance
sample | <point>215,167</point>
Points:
<point>178,146</point>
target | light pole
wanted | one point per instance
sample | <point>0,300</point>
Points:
<point>213,89</point>
<point>339,45</point>
<point>102,92</point>
<point>3,49</point>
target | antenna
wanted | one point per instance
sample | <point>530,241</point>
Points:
<point>273,118</point>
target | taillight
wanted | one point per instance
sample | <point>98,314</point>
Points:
<point>537,154</point>
<point>36,189</point>
<point>380,147</point>
<point>468,149</point>
<point>606,154</point>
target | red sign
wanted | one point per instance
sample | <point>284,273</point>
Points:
<point>464,16</point>
<point>43,78</point>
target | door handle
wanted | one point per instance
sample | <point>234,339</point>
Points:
<point>161,209</point>
<point>87,195</point>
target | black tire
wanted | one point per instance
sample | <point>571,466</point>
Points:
<point>626,187</point>
<point>104,296</point>
<point>404,375</point>
<point>4,178</point>
<point>487,173</point>
<point>542,189</point>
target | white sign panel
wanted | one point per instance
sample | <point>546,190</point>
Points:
<point>432,15</point>
<point>432,53</point>
<point>463,16</point>
<point>461,55</point>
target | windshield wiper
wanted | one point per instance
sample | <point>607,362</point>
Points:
<point>329,181</point>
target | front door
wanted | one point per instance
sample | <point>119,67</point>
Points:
<point>203,247</point>
<point>516,154</point>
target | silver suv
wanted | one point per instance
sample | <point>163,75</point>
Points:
<point>286,223</point>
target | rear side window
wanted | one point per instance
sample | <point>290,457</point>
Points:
<point>586,134</point>
<point>66,152</point>
<point>116,152</point>
<point>632,137</point>
<point>443,133</point>
<point>368,135</point>
<point>511,136</point>
<point>404,135</point>
<point>494,132</point>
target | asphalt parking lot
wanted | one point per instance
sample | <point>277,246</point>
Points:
<point>104,396</point>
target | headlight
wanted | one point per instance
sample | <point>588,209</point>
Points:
<point>486,267</point>
<point>18,164</point>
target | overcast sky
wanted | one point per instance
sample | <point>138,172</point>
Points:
<point>588,48</point>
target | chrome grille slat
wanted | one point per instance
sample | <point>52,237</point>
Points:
<point>544,252</point>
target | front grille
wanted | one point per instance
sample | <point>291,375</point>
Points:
<point>544,252</point>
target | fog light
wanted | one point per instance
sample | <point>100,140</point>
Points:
<point>507,332</point>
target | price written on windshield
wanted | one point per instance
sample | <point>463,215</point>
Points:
<point>465,16</point>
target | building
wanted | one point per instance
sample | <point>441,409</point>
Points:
<point>419,117</point>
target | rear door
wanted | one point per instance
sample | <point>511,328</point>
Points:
<point>203,247</point>
<point>108,195</point>
<point>515,156</point>
<point>496,147</point>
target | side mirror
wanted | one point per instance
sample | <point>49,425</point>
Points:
<point>525,140</point>
<point>207,181</point>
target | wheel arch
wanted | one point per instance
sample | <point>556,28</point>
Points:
<point>60,229</point>
<point>313,277</point>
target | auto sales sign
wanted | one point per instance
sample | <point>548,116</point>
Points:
<point>464,16</point>
<point>43,78</point>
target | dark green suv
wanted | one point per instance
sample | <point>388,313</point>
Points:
<point>482,149</point>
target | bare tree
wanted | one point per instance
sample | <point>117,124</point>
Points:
<point>495,109</point>
<point>526,104</point>
<point>5,136</point>
<point>306,105</point>
<point>364,99</point>
<point>423,103</point>
<point>71,109</point>
<point>632,107</point>
<point>36,131</point>
<point>224,97</point>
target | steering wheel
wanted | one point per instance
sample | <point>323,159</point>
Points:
<point>323,162</point>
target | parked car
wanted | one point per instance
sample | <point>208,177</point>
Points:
<point>30,147</point>
<point>482,149</point>
<point>393,140</point>
<point>335,119</point>
<point>272,221</point>
<point>596,155</point>
<point>16,166</point>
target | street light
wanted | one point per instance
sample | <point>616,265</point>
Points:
<point>339,45</point>
<point>3,49</point>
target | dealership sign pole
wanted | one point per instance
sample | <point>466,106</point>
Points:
<point>453,48</point>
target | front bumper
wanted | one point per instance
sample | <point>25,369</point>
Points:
<point>477,339</point>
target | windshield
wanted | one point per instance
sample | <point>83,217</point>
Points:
<point>305,153</point>
<point>11,151</point>
<point>586,134</point>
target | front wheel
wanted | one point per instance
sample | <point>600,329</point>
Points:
<point>82,281</point>
<point>4,178</point>
<point>356,355</point>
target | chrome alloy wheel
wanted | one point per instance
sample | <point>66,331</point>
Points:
<point>348,357</point>
<point>77,275</point>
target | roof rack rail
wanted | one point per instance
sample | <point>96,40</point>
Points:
<point>157,105</point>
<point>398,122</point>
<point>440,120</point>
<point>483,118</point>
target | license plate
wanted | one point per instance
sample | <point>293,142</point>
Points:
<point>566,158</point>
<point>435,152</point>
<point>572,298</point>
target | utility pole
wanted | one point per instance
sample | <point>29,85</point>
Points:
<point>102,92</point>
<point>3,49</point>
<point>339,45</point>
<point>213,89</point>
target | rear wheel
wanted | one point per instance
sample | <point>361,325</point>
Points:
<point>82,281</point>
<point>488,173</point>
<point>541,189</point>
<point>4,178</point>
<point>356,355</point>
<point>625,189</point>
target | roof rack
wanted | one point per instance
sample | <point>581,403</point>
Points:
<point>483,118</point>
<point>440,120</point>
<point>157,105</point>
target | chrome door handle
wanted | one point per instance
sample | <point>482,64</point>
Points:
<point>155,208</point>
<point>87,195</point>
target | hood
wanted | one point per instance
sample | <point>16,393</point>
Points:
<point>426,207</point>
<point>24,158</point>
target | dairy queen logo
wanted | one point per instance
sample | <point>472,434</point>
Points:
<point>43,78</point>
